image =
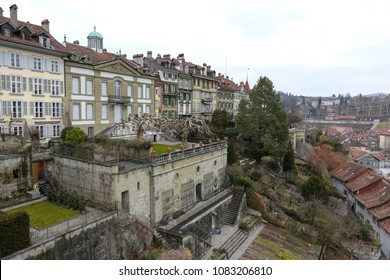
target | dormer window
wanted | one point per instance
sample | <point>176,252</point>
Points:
<point>44,41</point>
<point>7,32</point>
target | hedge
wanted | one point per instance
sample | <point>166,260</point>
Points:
<point>14,232</point>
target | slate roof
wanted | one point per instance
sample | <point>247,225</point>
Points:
<point>348,171</point>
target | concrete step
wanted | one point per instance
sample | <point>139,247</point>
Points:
<point>234,242</point>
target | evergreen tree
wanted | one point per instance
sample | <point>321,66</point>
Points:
<point>262,122</point>
<point>288,160</point>
<point>231,154</point>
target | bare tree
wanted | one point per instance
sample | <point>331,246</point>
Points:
<point>181,127</point>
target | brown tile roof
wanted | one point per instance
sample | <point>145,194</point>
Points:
<point>381,212</point>
<point>349,171</point>
<point>375,195</point>
<point>97,57</point>
<point>228,84</point>
<point>357,153</point>
<point>385,224</point>
<point>35,31</point>
<point>378,155</point>
<point>363,180</point>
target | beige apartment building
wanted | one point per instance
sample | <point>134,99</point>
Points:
<point>103,88</point>
<point>205,87</point>
<point>31,78</point>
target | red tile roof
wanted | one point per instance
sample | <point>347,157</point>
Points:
<point>357,153</point>
<point>385,224</point>
<point>97,57</point>
<point>363,180</point>
<point>228,84</point>
<point>378,155</point>
<point>349,171</point>
<point>381,212</point>
<point>35,31</point>
<point>375,195</point>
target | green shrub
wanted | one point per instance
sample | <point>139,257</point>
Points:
<point>14,232</point>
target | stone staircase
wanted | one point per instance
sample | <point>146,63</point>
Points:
<point>159,236</point>
<point>233,208</point>
<point>234,242</point>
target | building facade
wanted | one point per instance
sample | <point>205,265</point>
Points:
<point>32,78</point>
<point>103,88</point>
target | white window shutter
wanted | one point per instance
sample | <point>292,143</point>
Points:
<point>25,112</point>
<point>49,130</point>
<point>32,112</point>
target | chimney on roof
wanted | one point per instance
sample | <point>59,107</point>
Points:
<point>138,58</point>
<point>46,25</point>
<point>149,54</point>
<point>104,50</point>
<point>158,59</point>
<point>13,11</point>
<point>1,11</point>
<point>76,42</point>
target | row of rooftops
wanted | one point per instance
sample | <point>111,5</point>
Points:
<point>369,187</point>
<point>28,34</point>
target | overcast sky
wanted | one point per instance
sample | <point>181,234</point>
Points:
<point>305,47</point>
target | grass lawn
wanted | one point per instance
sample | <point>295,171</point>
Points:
<point>162,149</point>
<point>43,214</point>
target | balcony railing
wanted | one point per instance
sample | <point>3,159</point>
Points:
<point>119,99</point>
<point>170,92</point>
<point>207,99</point>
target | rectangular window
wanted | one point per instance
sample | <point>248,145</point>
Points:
<point>17,130</point>
<point>76,111</point>
<point>89,87</point>
<point>165,101</point>
<point>56,109</point>
<point>15,60</point>
<point>38,109</point>
<point>89,111</point>
<point>54,66</point>
<point>129,90</point>
<point>75,85</point>
<point>17,109</point>
<point>55,131</point>
<point>139,109</point>
<point>139,91</point>
<point>104,88</point>
<point>37,86</point>
<point>55,87</point>
<point>37,63</point>
<point>147,109</point>
<point>16,84</point>
<point>7,32</point>
<point>41,131</point>
<point>117,88</point>
<point>147,93</point>
<point>104,111</point>
<point>129,110</point>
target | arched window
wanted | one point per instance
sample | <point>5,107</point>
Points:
<point>117,88</point>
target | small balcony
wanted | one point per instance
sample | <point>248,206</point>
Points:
<point>119,99</point>
<point>170,93</point>
<point>207,112</point>
<point>207,99</point>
